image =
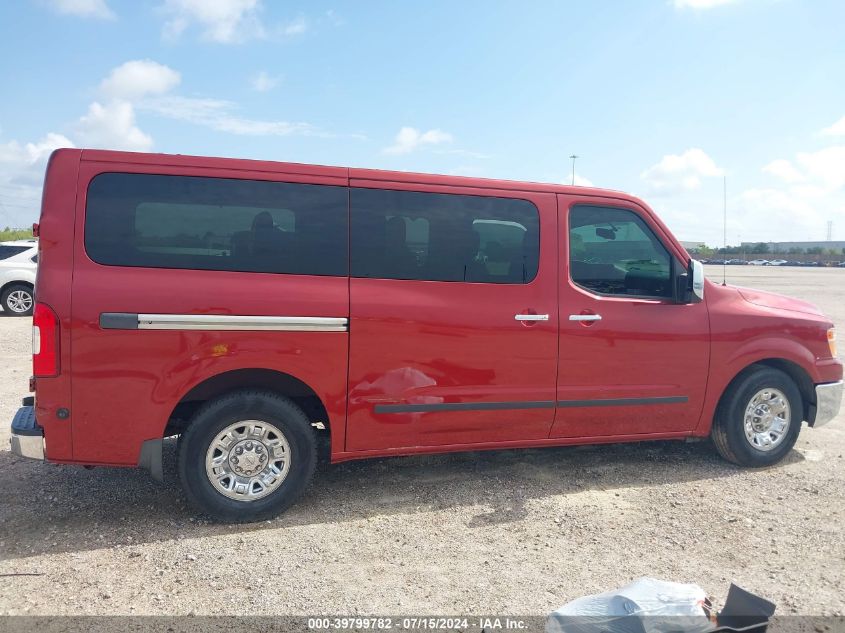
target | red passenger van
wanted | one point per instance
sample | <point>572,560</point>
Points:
<point>258,310</point>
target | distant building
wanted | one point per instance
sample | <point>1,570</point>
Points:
<point>692,246</point>
<point>785,247</point>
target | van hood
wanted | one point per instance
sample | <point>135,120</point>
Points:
<point>779,302</point>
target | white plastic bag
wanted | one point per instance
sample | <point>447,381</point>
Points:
<point>645,606</point>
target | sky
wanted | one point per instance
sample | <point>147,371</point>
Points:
<point>665,99</point>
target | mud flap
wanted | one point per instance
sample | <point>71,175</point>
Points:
<point>150,458</point>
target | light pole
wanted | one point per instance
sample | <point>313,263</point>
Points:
<point>573,157</point>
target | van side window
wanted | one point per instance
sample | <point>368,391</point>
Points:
<point>443,237</point>
<point>613,252</point>
<point>217,224</point>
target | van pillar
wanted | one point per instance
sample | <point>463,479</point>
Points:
<point>150,458</point>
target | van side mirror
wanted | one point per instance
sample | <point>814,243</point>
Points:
<point>689,285</point>
<point>696,272</point>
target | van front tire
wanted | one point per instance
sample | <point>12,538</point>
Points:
<point>246,456</point>
<point>759,418</point>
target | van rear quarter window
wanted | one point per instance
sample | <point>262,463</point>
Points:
<point>221,224</point>
<point>443,237</point>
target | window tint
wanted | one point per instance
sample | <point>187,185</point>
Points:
<point>443,237</point>
<point>7,250</point>
<point>217,224</point>
<point>612,251</point>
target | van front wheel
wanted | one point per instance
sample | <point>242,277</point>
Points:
<point>758,421</point>
<point>246,456</point>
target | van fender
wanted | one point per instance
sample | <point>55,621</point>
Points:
<point>724,370</point>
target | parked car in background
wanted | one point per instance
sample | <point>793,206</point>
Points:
<point>758,262</point>
<point>736,262</point>
<point>775,262</point>
<point>18,263</point>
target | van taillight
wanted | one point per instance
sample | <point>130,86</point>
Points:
<point>36,229</point>
<point>45,341</point>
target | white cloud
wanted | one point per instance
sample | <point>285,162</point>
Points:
<point>837,129</point>
<point>408,139</point>
<point>334,18</point>
<point>32,153</point>
<point>295,27</point>
<point>809,191</point>
<point>112,126</point>
<point>700,4</point>
<point>221,115</point>
<point>825,167</point>
<point>784,170</point>
<point>222,21</point>
<point>580,181</point>
<point>21,177</point>
<point>678,172</point>
<point>83,8</point>
<point>262,81</point>
<point>138,78</point>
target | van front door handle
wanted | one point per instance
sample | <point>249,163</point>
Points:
<point>531,317</point>
<point>585,317</point>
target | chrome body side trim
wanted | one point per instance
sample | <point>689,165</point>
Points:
<point>128,321</point>
<point>828,402</point>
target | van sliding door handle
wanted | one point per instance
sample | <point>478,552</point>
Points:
<point>585,317</point>
<point>531,317</point>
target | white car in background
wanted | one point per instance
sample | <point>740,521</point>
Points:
<point>18,263</point>
<point>776,262</point>
<point>758,262</point>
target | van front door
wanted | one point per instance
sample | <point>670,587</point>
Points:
<point>632,361</point>
<point>453,316</point>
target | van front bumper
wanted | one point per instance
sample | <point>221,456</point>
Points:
<point>828,402</point>
<point>27,437</point>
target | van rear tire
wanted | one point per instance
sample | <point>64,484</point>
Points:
<point>759,418</point>
<point>246,456</point>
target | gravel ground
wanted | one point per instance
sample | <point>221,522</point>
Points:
<point>517,532</point>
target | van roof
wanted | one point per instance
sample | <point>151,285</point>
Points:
<point>353,173</point>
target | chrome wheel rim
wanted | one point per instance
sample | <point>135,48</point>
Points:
<point>19,301</point>
<point>767,419</point>
<point>248,460</point>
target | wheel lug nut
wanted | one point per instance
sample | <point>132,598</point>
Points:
<point>249,446</point>
<point>239,450</point>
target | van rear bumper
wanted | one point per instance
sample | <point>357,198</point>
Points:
<point>27,437</point>
<point>828,402</point>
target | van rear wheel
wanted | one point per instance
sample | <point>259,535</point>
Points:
<point>246,456</point>
<point>758,421</point>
